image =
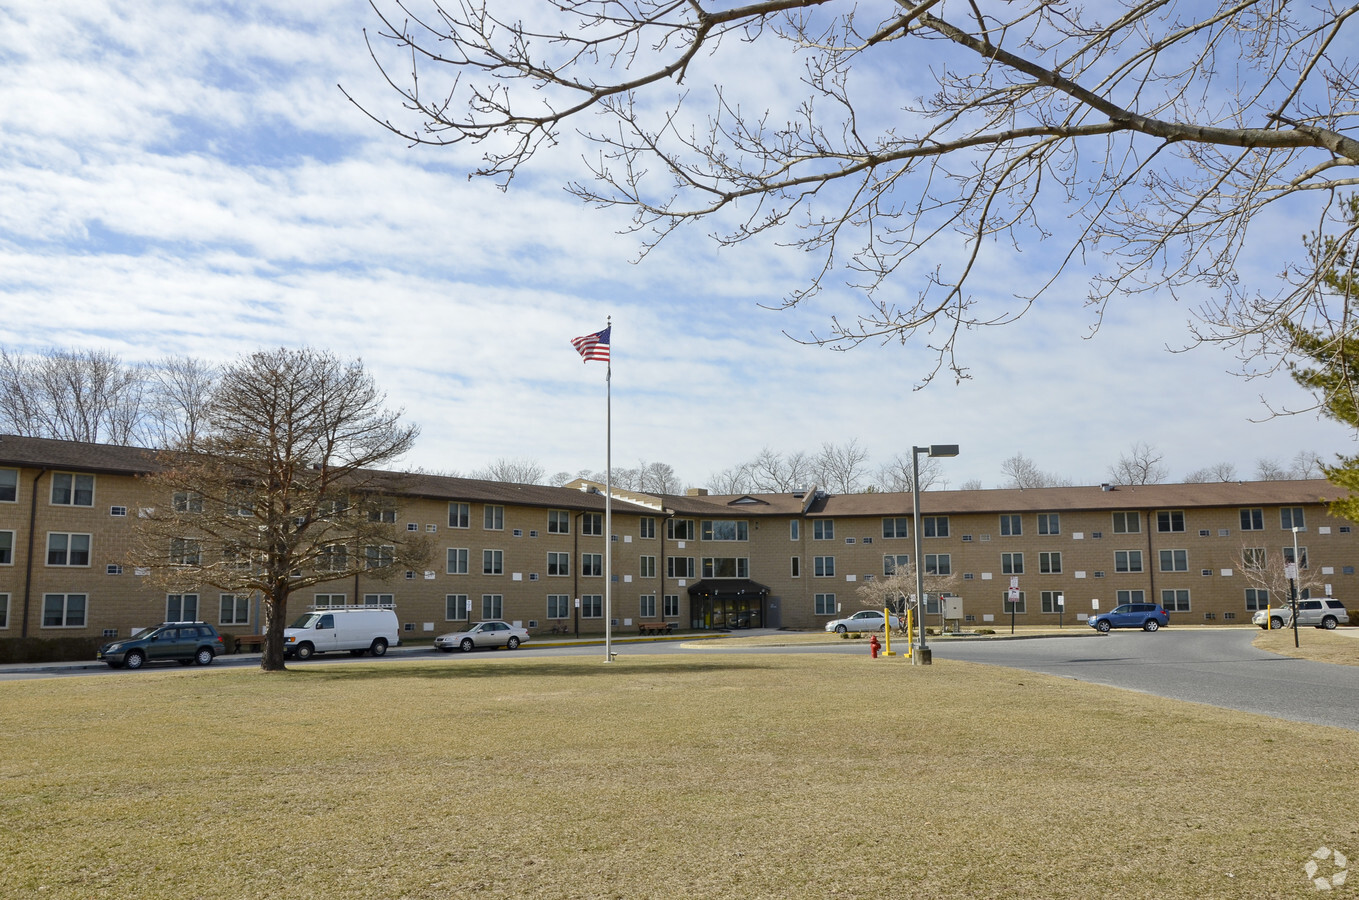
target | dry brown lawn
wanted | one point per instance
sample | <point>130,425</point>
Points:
<point>739,776</point>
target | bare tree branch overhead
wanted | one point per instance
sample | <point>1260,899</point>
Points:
<point>912,147</point>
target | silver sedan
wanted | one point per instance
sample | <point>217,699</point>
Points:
<point>482,634</point>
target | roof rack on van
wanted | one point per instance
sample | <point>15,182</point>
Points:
<point>331,607</point>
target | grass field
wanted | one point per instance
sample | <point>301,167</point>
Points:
<point>732,776</point>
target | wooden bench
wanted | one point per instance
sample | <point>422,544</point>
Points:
<point>253,641</point>
<point>655,627</point>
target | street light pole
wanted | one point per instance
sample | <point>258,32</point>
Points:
<point>1293,582</point>
<point>922,655</point>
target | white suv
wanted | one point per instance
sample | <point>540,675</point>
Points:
<point>1318,612</point>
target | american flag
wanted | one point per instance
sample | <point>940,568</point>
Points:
<point>593,346</point>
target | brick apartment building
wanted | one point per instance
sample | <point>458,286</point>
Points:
<point>535,555</point>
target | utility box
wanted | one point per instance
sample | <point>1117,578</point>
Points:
<point>952,608</point>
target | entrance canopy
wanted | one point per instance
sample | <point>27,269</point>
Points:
<point>728,589</point>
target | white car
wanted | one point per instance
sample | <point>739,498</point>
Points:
<point>482,634</point>
<point>1318,612</point>
<point>864,620</point>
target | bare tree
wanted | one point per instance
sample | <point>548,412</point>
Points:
<point>658,478</point>
<point>1306,464</point>
<point>841,468</point>
<point>1023,472</point>
<point>972,484</point>
<point>512,471</point>
<point>732,480</point>
<point>1160,131</point>
<point>1223,471</point>
<point>896,475</point>
<point>1265,571</point>
<point>776,472</point>
<point>71,395</point>
<point>280,492</point>
<point>1270,470</point>
<point>896,590</point>
<point>179,389</point>
<point>1140,465</point>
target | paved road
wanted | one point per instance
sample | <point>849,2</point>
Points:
<point>1219,668</point>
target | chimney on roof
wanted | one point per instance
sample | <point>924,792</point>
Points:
<point>1107,487</point>
<point>696,492</point>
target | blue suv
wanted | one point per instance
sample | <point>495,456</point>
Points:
<point>1147,616</point>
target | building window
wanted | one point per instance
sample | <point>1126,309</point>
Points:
<point>592,606</point>
<point>333,557</point>
<point>68,549</point>
<point>1170,521</point>
<point>1290,517</point>
<point>670,607</point>
<point>1252,520</point>
<point>234,609</point>
<point>895,528</point>
<point>559,564</point>
<point>823,529</point>
<point>379,556</point>
<point>321,601</point>
<point>382,515</point>
<point>181,608</point>
<point>891,562</point>
<point>455,607</point>
<point>493,562</point>
<point>493,518</point>
<point>646,567</point>
<point>6,548</point>
<point>72,490</point>
<point>1287,556</point>
<point>459,515</point>
<point>1127,560</point>
<point>934,526</point>
<point>679,567</point>
<point>1127,523</point>
<point>1011,526</point>
<point>1049,562</point>
<point>646,527</point>
<point>823,566</point>
<point>1009,606</point>
<point>559,606</point>
<point>1012,563</point>
<point>4,610</point>
<point>679,529</point>
<point>1131,597</point>
<point>1256,598</point>
<point>1051,601</point>
<point>1049,523</point>
<point>1253,557</point>
<point>794,529</point>
<point>719,530</point>
<point>1174,560</point>
<point>726,567</point>
<point>593,524</point>
<point>492,606</point>
<point>938,564</point>
<point>9,486</point>
<point>592,565</point>
<point>185,552</point>
<point>386,601</point>
<point>63,610</point>
<point>1175,600</point>
<point>646,606</point>
<point>825,605</point>
<point>796,570</point>
<point>558,521</point>
<point>188,502</point>
<point>457,561</point>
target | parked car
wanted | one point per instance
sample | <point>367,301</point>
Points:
<point>863,620</point>
<point>482,634</point>
<point>1318,612</point>
<point>1147,616</point>
<point>182,642</point>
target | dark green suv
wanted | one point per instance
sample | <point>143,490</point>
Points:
<point>183,642</point>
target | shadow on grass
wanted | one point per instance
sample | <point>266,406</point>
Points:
<point>522,669</point>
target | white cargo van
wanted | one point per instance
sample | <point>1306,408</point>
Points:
<point>355,629</point>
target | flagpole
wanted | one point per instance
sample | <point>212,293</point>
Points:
<point>608,501</point>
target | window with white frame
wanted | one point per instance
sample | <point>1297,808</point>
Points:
<point>725,530</point>
<point>938,564</point>
<point>670,606</point>
<point>1174,560</point>
<point>646,567</point>
<point>795,570</point>
<point>1131,597</point>
<point>70,489</point>
<point>492,606</point>
<point>1051,601</point>
<point>934,526</point>
<point>592,565</point>
<point>823,529</point>
<point>493,562</point>
<point>333,558</point>
<point>1018,607</point>
<point>825,605</point>
<point>1127,560</point>
<point>1301,557</point>
<point>233,609</point>
<point>1256,598</point>
<point>188,502</point>
<point>181,607</point>
<point>4,610</point>
<point>592,606</point>
<point>6,548</point>
<point>1127,523</point>
<point>795,529</point>
<point>185,552</point>
<point>558,563</point>
<point>592,524</point>
<point>493,518</point>
<point>1175,600</point>
<point>676,529</point>
<point>646,528</point>
<point>457,561</point>
<point>1290,517</point>
<point>64,610</point>
<point>896,527</point>
<point>382,515</point>
<point>559,606</point>
<point>1253,557</point>
<point>385,601</point>
<point>1049,523</point>
<point>1049,562</point>
<point>558,521</point>
<point>455,608</point>
<point>646,606</point>
<point>459,515</point>
<point>679,567</point>
<point>9,485</point>
<point>726,567</point>
<point>328,601</point>
<point>1012,563</point>
<point>1253,519</point>
<point>823,566</point>
<point>64,549</point>
<point>379,556</point>
<point>891,562</point>
<point>1170,521</point>
<point>1011,526</point>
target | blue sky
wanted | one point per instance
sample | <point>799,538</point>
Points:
<point>184,177</point>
